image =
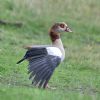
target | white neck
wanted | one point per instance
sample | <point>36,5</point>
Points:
<point>58,43</point>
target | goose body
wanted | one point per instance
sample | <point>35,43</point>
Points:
<point>45,58</point>
<point>52,50</point>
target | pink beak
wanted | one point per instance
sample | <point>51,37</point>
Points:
<point>68,29</point>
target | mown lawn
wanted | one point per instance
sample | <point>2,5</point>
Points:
<point>78,77</point>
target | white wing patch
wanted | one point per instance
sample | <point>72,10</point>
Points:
<point>54,51</point>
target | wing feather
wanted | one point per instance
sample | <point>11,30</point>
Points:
<point>42,69</point>
<point>42,63</point>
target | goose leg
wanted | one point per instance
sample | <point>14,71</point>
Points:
<point>48,87</point>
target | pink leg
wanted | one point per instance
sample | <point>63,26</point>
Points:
<point>48,87</point>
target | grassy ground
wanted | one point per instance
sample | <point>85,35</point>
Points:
<point>78,77</point>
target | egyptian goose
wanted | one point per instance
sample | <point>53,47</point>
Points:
<point>44,59</point>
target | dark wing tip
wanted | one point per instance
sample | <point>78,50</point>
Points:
<point>20,60</point>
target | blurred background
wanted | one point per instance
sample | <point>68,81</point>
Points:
<point>27,22</point>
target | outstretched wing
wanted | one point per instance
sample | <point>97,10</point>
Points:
<point>42,63</point>
<point>41,68</point>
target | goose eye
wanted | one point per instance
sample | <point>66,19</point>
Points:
<point>62,25</point>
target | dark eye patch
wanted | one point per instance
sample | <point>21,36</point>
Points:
<point>62,25</point>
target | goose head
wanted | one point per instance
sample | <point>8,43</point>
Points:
<point>60,27</point>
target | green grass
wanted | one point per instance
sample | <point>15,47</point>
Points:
<point>78,77</point>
